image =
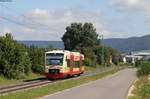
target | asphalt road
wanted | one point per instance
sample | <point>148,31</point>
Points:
<point>112,87</point>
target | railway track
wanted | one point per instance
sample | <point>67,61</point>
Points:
<point>23,86</point>
<point>38,83</point>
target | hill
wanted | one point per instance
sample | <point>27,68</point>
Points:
<point>129,44</point>
<point>44,44</point>
<point>123,45</point>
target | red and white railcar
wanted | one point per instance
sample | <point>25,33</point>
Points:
<point>62,63</point>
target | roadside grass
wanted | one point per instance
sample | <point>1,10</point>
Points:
<point>91,68</point>
<point>142,89</point>
<point>97,67</point>
<point>31,76</point>
<point>42,91</point>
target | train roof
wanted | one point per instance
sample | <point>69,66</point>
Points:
<point>64,51</point>
<point>58,51</point>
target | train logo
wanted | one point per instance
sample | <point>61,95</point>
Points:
<point>63,63</point>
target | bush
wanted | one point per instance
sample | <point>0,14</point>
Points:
<point>13,59</point>
<point>144,68</point>
<point>90,57</point>
<point>36,56</point>
<point>145,90</point>
<point>137,63</point>
<point>142,89</point>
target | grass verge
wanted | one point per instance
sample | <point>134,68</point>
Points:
<point>91,68</point>
<point>142,89</point>
<point>39,92</point>
<point>33,76</point>
<point>5,81</point>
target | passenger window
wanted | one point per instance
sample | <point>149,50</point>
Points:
<point>68,63</point>
<point>77,64</point>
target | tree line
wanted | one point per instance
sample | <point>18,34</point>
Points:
<point>84,38</point>
<point>18,60</point>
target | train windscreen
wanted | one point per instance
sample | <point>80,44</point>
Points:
<point>53,59</point>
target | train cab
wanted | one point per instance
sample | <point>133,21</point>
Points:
<point>62,63</point>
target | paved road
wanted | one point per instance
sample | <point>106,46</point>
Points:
<point>112,87</point>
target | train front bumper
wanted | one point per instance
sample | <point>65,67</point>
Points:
<point>55,76</point>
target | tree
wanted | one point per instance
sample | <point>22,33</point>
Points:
<point>98,52</point>
<point>90,57</point>
<point>36,56</point>
<point>13,59</point>
<point>80,35</point>
<point>83,38</point>
<point>115,55</point>
<point>49,47</point>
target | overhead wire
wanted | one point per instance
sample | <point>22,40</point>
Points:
<point>24,25</point>
<point>24,16</point>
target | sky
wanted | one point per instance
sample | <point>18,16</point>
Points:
<point>47,19</point>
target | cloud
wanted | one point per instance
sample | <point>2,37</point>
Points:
<point>131,6</point>
<point>7,30</point>
<point>42,12</point>
<point>43,24</point>
<point>28,30</point>
<point>108,34</point>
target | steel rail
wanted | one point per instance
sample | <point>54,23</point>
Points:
<point>38,83</point>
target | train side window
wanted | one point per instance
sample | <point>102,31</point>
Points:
<point>77,64</point>
<point>68,63</point>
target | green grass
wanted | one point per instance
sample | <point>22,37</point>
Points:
<point>91,68</point>
<point>32,76</point>
<point>142,89</point>
<point>39,92</point>
<point>5,81</point>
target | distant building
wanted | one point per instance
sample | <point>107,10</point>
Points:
<point>134,56</point>
<point>132,59</point>
<point>124,60</point>
<point>144,55</point>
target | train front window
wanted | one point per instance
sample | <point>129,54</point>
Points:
<point>54,62</point>
<point>53,59</point>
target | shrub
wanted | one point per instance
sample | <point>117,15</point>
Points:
<point>145,90</point>
<point>13,59</point>
<point>90,57</point>
<point>137,63</point>
<point>36,56</point>
<point>144,68</point>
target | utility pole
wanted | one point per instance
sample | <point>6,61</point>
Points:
<point>102,57</point>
